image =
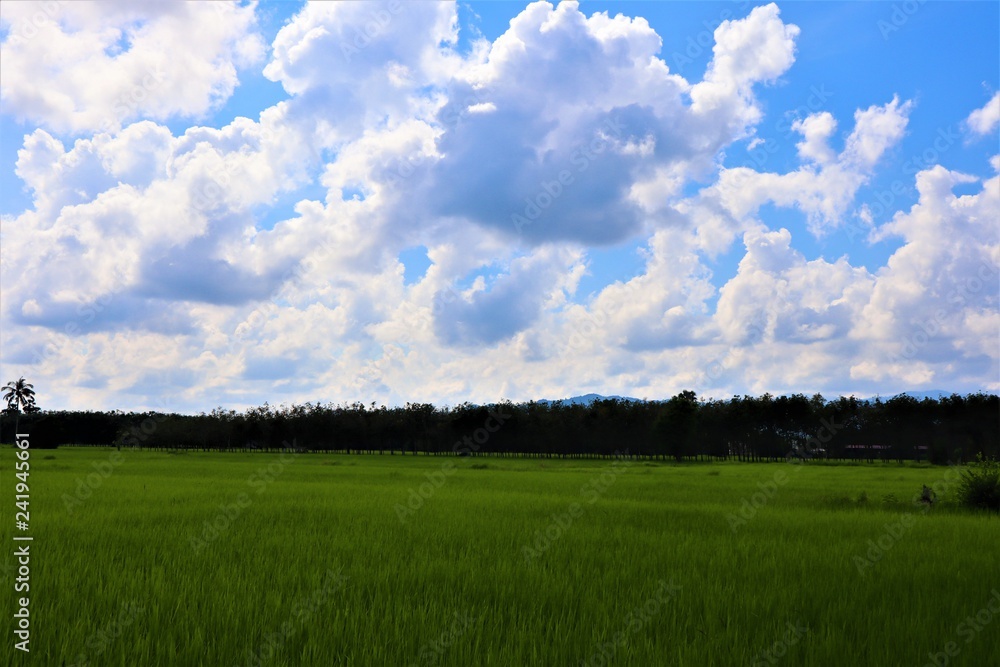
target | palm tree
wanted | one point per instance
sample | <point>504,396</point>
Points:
<point>19,394</point>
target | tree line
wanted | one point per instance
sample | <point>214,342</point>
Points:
<point>950,429</point>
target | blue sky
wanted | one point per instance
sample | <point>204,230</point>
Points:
<point>227,204</point>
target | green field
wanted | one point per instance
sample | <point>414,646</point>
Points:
<point>317,560</point>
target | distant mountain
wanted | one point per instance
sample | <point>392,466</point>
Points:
<point>586,399</point>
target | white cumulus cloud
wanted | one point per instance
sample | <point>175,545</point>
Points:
<point>82,66</point>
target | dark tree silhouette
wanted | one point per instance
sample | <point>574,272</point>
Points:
<point>764,428</point>
<point>20,395</point>
<point>676,425</point>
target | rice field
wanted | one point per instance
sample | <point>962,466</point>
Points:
<point>152,558</point>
